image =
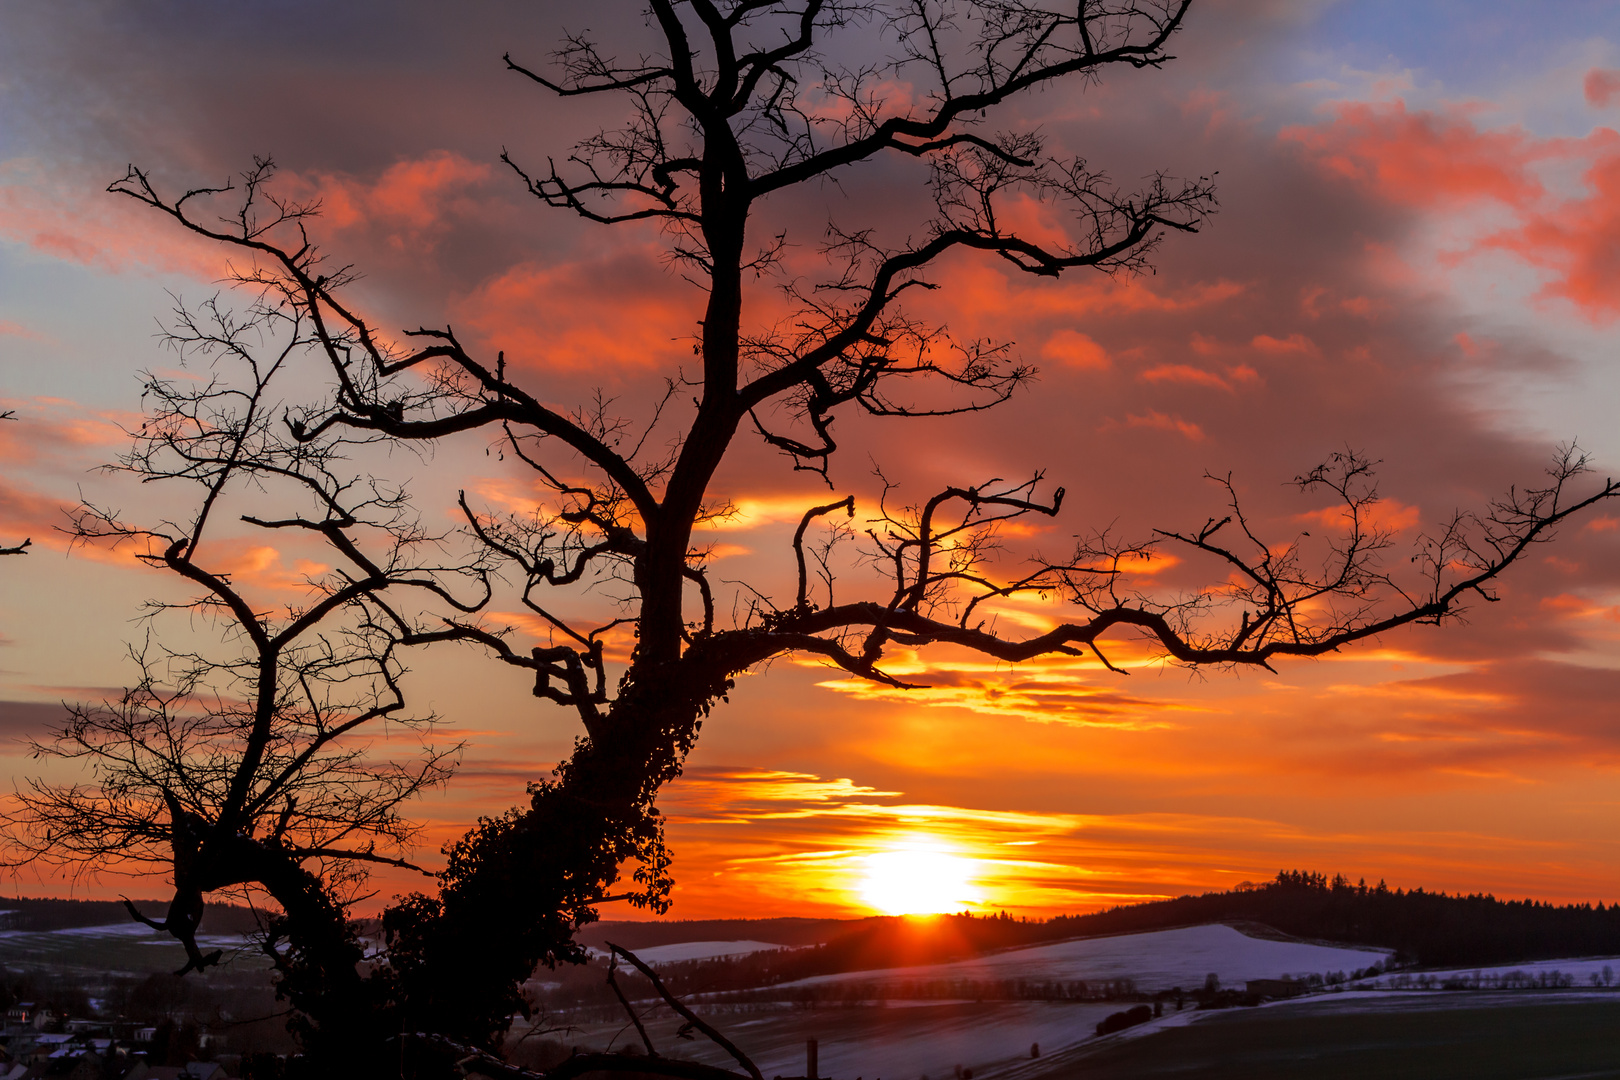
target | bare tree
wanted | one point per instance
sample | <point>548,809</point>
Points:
<point>22,548</point>
<point>739,103</point>
<point>248,768</point>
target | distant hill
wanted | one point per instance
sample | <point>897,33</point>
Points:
<point>1422,928</point>
<point>43,914</point>
<point>1431,929</point>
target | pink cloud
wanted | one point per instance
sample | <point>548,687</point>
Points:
<point>18,330</point>
<point>1425,158</point>
<point>1601,86</point>
<point>61,215</point>
<point>1444,161</point>
<point>410,198</point>
<point>27,514</point>
<point>1578,239</point>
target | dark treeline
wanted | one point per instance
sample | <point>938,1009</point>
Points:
<point>1431,929</point>
<point>40,914</point>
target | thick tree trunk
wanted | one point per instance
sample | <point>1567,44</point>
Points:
<point>342,1018</point>
<point>519,886</point>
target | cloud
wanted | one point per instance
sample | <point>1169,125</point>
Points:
<point>1578,239</point>
<point>410,204</point>
<point>1155,420</point>
<point>1076,350</point>
<point>1186,373</point>
<point>596,314</point>
<point>1444,160</point>
<point>1601,86</point>
<point>1073,692</point>
<point>48,210</point>
<point>745,837</point>
<point>1426,158</point>
<point>23,720</point>
<point>26,514</point>
<point>9,328</point>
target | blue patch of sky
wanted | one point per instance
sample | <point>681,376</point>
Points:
<point>1471,45</point>
<point>79,323</point>
<point>1526,58</point>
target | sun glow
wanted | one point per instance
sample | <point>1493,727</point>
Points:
<point>919,880</point>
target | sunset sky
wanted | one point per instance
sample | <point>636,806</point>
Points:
<point>1417,255</point>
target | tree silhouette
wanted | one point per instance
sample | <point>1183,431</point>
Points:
<point>738,104</point>
<point>22,548</point>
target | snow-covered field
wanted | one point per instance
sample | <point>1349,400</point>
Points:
<point>130,931</point>
<point>1155,961</point>
<point>993,1038</point>
<point>125,947</point>
<point>927,1040</point>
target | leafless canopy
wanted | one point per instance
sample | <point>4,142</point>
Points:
<point>251,765</point>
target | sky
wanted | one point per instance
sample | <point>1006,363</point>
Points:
<point>1415,257</point>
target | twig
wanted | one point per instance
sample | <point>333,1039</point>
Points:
<point>692,1018</point>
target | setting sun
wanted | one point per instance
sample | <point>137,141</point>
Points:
<point>918,881</point>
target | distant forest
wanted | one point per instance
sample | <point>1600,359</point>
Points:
<point>1427,929</point>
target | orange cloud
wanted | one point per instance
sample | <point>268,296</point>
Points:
<point>1155,419</point>
<point>1076,350</point>
<point>617,310</point>
<point>1293,343</point>
<point>1390,514</point>
<point>264,567</point>
<point>976,290</point>
<point>28,515</point>
<point>410,199</point>
<point>757,842</point>
<point>1425,158</point>
<point>1185,373</point>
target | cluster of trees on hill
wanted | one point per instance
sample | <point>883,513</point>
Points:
<point>1424,928</point>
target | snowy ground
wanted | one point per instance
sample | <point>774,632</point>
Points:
<point>914,1040</point>
<point>873,1041</point>
<point>1155,961</point>
<point>993,1039</point>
